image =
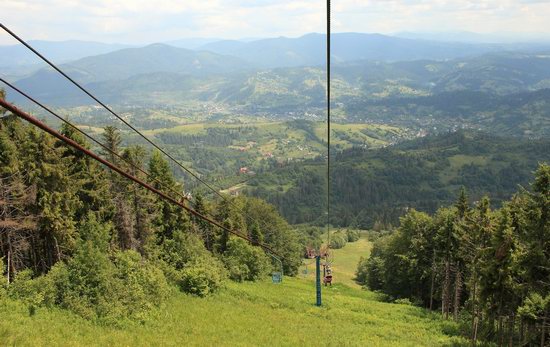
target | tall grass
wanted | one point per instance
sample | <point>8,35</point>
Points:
<point>242,314</point>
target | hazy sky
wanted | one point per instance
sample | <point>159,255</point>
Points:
<point>145,21</point>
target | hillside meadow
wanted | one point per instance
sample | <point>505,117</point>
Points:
<point>248,314</point>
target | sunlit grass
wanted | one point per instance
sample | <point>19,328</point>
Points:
<point>242,315</point>
<point>248,314</point>
<point>344,261</point>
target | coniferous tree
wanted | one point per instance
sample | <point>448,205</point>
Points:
<point>112,140</point>
<point>91,179</point>
<point>204,228</point>
<point>536,235</point>
<point>499,273</point>
<point>120,187</point>
<point>142,202</point>
<point>447,240</point>
<point>223,238</point>
<point>57,199</point>
<point>462,204</point>
<point>476,239</point>
<point>170,218</point>
<point>256,234</point>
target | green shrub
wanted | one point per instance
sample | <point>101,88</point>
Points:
<point>26,289</point>
<point>183,248</point>
<point>404,301</point>
<point>90,284</point>
<point>375,273</point>
<point>361,273</point>
<point>244,261</point>
<point>94,286</point>
<point>353,235</point>
<point>53,284</point>
<point>338,240</point>
<point>145,286</point>
<point>202,277</point>
<point>186,262</point>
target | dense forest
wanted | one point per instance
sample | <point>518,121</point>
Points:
<point>76,235</point>
<point>379,185</point>
<point>487,268</point>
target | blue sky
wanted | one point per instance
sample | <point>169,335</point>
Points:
<point>145,21</point>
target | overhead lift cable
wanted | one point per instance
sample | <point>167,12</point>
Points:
<point>328,124</point>
<point>108,108</point>
<point>91,138</point>
<point>77,146</point>
<point>215,191</point>
<point>326,255</point>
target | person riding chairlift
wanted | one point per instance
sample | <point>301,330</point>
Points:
<point>328,275</point>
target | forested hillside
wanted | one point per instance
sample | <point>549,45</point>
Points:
<point>487,268</point>
<point>502,93</point>
<point>381,184</point>
<point>79,237</point>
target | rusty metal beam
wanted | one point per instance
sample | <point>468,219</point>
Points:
<point>39,124</point>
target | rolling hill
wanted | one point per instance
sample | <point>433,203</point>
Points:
<point>60,51</point>
<point>124,64</point>
<point>500,92</point>
<point>309,50</point>
<point>381,184</point>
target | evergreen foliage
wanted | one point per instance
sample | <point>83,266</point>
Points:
<point>80,237</point>
<point>245,262</point>
<point>488,267</point>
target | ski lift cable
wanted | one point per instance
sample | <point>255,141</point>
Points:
<point>34,121</point>
<point>79,86</point>
<point>91,138</point>
<point>328,126</point>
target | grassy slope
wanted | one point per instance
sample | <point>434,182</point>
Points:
<point>247,314</point>
<point>344,262</point>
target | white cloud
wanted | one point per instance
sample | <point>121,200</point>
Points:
<point>141,21</point>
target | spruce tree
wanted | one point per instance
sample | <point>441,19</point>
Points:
<point>143,203</point>
<point>223,239</point>
<point>204,228</point>
<point>171,218</point>
<point>256,234</point>
<point>91,179</point>
<point>57,200</point>
<point>499,272</point>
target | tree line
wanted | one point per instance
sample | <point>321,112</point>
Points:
<point>370,186</point>
<point>487,268</point>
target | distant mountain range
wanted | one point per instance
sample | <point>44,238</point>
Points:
<point>286,75</point>
<point>520,39</point>
<point>162,69</point>
<point>125,64</point>
<point>58,51</point>
<point>309,50</point>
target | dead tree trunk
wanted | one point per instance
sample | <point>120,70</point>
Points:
<point>512,322</point>
<point>474,309</point>
<point>458,291</point>
<point>543,332</point>
<point>445,302</point>
<point>432,281</point>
